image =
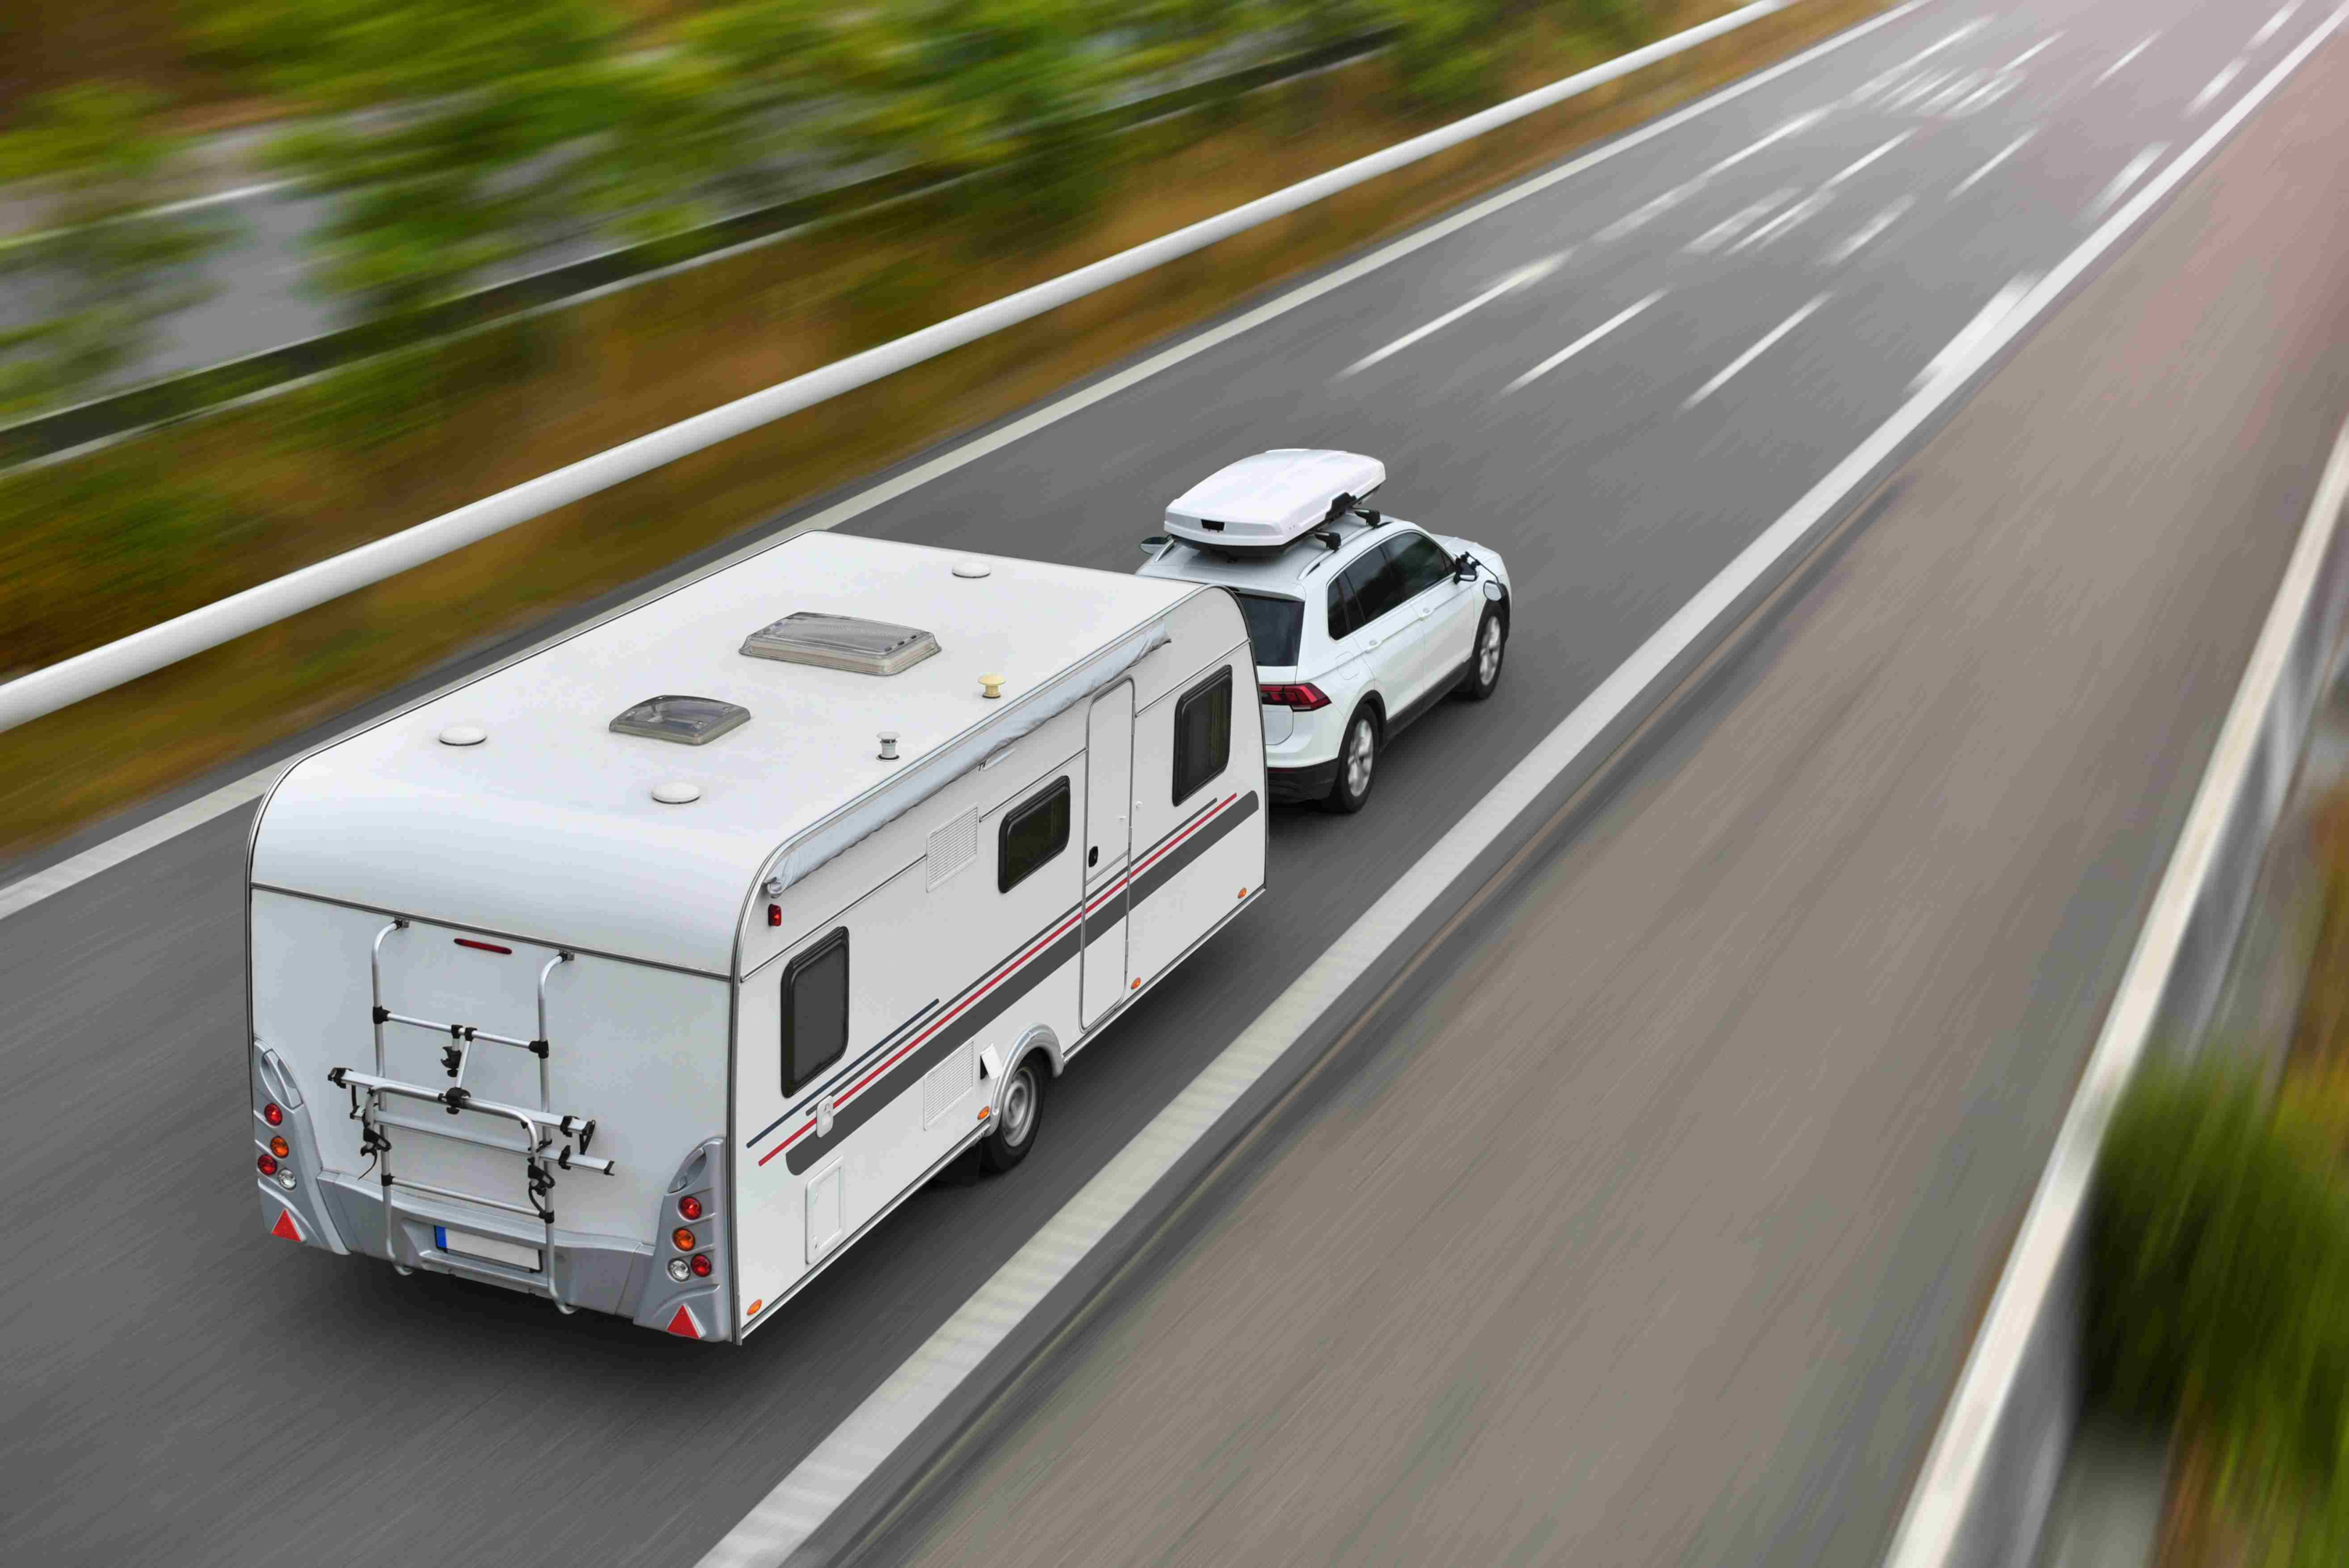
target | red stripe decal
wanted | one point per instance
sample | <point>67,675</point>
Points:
<point>999,977</point>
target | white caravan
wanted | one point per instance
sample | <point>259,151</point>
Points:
<point>651,971</point>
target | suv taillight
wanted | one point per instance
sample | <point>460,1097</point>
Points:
<point>1300,696</point>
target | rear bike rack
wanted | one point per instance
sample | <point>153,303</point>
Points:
<point>542,1126</point>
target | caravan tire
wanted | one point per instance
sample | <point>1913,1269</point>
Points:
<point>1015,1118</point>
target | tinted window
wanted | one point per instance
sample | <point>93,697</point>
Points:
<point>1274,626</point>
<point>815,1010</point>
<point>1344,617</point>
<point>1203,733</point>
<point>1032,833</point>
<point>1419,563</point>
<point>1376,584</point>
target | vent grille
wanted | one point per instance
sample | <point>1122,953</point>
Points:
<point>842,642</point>
<point>688,720</point>
<point>943,1086</point>
<point>953,846</point>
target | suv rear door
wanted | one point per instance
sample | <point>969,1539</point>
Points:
<point>1433,639</point>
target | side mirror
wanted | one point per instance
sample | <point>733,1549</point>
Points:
<point>1153,544</point>
<point>1466,567</point>
<point>1494,591</point>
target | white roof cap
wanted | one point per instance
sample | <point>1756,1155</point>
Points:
<point>1271,498</point>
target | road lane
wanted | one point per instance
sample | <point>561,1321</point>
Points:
<point>1653,1230</point>
<point>189,1386</point>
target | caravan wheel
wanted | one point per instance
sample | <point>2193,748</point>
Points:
<point>1015,1118</point>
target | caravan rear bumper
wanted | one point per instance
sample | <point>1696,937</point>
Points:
<point>609,1275</point>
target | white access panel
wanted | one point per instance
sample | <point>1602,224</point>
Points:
<point>1108,846</point>
<point>827,1209</point>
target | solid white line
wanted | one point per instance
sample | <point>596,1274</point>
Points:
<point>1515,280</point>
<point>1109,386</point>
<point>2124,179</point>
<point>2026,53</point>
<point>1848,169</point>
<point>1802,211</point>
<point>801,1502</point>
<point>1960,349</point>
<point>2001,156</point>
<point>1753,353</point>
<point>1937,1511</point>
<point>1737,222</point>
<point>2217,85</point>
<point>2116,67</point>
<point>1579,344</point>
<point>2278,20</point>
<point>1868,231</point>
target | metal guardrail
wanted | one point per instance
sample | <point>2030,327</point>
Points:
<point>188,393</point>
<point>102,669</point>
<point>1982,1496</point>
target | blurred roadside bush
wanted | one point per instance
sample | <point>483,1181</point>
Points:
<point>2220,1298</point>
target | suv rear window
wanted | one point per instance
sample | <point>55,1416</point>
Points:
<point>1274,626</point>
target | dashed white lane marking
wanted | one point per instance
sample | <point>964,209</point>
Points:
<point>1760,348</point>
<point>1956,89</point>
<point>1579,344</point>
<point>2001,156</point>
<point>2029,53</point>
<point>1866,231</point>
<point>1515,280</point>
<point>2269,29</point>
<point>1737,222</point>
<point>1917,90</point>
<point>2216,85</point>
<point>1981,98</point>
<point>2117,66</point>
<point>1848,169</point>
<point>1809,207</point>
<point>1960,350</point>
<point>2128,176</point>
<point>1877,82</point>
<point>1687,188</point>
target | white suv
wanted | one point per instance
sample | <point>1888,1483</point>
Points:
<point>1360,622</point>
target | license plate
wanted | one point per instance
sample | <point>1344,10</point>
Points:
<point>464,1244</point>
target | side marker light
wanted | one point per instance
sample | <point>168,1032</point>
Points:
<point>682,1238</point>
<point>272,1113</point>
<point>278,1146</point>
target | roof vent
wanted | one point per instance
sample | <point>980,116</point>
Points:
<point>688,720</point>
<point>842,642</point>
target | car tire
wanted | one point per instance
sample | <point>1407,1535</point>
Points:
<point>1017,1118</point>
<point>1484,662</point>
<point>1357,756</point>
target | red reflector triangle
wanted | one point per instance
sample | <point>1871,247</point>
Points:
<point>285,1226</point>
<point>683,1323</point>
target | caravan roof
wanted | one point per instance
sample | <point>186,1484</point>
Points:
<point>549,825</point>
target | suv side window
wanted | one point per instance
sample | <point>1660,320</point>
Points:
<point>1376,584</point>
<point>1345,616</point>
<point>1419,563</point>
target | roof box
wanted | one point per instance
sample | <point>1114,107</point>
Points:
<point>1267,502</point>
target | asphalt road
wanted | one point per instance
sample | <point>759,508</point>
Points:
<point>175,1383</point>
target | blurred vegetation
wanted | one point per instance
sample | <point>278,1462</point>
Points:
<point>98,546</point>
<point>2220,1279</point>
<point>80,298</point>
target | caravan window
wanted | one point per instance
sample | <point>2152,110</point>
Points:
<point>815,1010</point>
<point>1032,833</point>
<point>1203,733</point>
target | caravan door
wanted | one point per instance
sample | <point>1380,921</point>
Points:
<point>1108,818</point>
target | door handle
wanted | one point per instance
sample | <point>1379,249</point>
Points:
<point>1426,610</point>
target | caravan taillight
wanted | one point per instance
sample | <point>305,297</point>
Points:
<point>278,1146</point>
<point>701,1265</point>
<point>271,1114</point>
<point>682,1238</point>
<point>268,1164</point>
<point>690,1207</point>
